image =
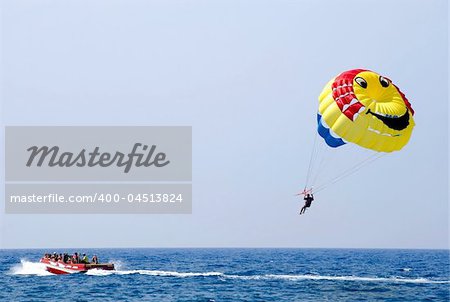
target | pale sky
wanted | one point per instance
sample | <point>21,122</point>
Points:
<point>246,76</point>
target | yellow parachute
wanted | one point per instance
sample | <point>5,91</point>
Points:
<point>362,107</point>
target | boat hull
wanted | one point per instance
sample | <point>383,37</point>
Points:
<point>61,268</point>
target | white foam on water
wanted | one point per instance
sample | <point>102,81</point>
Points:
<point>180,275</point>
<point>264,277</point>
<point>97,272</point>
<point>118,265</point>
<point>29,268</point>
<point>338,278</point>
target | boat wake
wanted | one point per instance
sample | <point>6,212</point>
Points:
<point>38,269</point>
<point>265,277</point>
<point>394,279</point>
<point>26,267</point>
<point>95,272</point>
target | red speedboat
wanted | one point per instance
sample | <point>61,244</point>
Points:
<point>59,267</point>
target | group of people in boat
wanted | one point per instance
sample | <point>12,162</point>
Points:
<point>71,259</point>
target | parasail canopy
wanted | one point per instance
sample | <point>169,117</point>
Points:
<point>362,107</point>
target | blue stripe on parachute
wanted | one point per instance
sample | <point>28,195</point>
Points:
<point>325,132</point>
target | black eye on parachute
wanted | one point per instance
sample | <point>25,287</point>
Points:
<point>361,82</point>
<point>384,82</point>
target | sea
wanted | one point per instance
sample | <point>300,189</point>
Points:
<point>233,274</point>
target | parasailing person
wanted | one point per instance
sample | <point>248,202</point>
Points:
<point>308,200</point>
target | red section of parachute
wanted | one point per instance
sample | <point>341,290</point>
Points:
<point>344,95</point>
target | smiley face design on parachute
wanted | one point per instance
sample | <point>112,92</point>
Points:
<point>365,108</point>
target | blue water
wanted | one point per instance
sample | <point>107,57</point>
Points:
<point>234,275</point>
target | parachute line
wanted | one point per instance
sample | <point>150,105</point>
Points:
<point>311,161</point>
<point>350,171</point>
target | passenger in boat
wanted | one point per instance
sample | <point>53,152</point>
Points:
<point>75,258</point>
<point>94,259</point>
<point>85,259</point>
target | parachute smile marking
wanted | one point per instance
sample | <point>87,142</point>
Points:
<point>392,121</point>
